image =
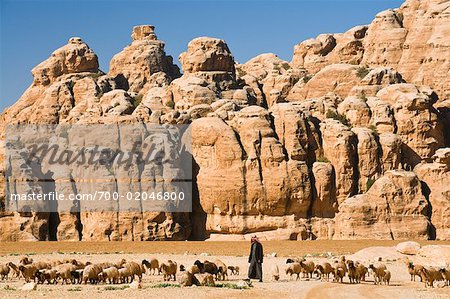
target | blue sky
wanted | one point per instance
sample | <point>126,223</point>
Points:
<point>32,30</point>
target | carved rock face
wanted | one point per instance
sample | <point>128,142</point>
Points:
<point>343,142</point>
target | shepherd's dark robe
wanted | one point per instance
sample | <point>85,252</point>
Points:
<point>255,259</point>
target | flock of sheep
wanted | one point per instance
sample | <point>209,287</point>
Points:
<point>76,272</point>
<point>203,273</point>
<point>357,272</point>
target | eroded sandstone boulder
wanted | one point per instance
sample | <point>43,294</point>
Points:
<point>339,145</point>
<point>395,201</point>
<point>138,62</point>
<point>436,178</point>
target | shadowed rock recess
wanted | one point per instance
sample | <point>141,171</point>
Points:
<point>349,140</point>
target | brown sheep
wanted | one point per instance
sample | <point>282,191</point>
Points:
<point>47,275</point>
<point>79,264</point>
<point>446,274</point>
<point>307,268</point>
<point>234,270</point>
<point>91,272</point>
<point>294,268</point>
<point>193,269</point>
<point>4,271</point>
<point>135,269</point>
<point>111,274</point>
<point>341,264</point>
<point>64,272</point>
<point>207,267</point>
<point>55,263</point>
<point>169,270</point>
<point>28,272</point>
<point>324,270</point>
<point>152,266</point>
<point>205,279</point>
<point>414,270</point>
<point>430,275</point>
<point>25,260</point>
<point>105,265</point>
<point>14,268</point>
<point>338,274</point>
<point>378,272</point>
<point>42,265</point>
<point>186,279</point>
<point>361,272</point>
<point>352,273</point>
<point>222,270</point>
<point>387,277</point>
<point>125,275</point>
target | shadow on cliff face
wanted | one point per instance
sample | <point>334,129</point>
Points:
<point>53,218</point>
<point>444,114</point>
<point>198,215</point>
<point>426,191</point>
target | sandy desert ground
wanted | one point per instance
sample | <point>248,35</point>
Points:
<point>232,253</point>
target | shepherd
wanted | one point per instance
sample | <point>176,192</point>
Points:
<point>255,259</point>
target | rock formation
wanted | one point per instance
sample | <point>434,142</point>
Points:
<point>346,141</point>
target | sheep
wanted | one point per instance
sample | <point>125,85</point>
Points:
<point>152,266</point>
<point>125,275</point>
<point>275,273</point>
<point>324,270</point>
<point>414,270</point>
<point>182,268</point>
<point>47,275</point>
<point>28,272</point>
<point>294,268</point>
<point>50,275</point>
<point>25,261</point>
<point>387,277</point>
<point>446,274</point>
<point>207,267</point>
<point>64,272</point>
<point>222,270</point>
<point>352,273</point>
<point>307,268</point>
<point>4,271</point>
<point>169,270</point>
<point>234,270</point>
<point>111,273</point>
<point>205,279</point>
<point>91,273</point>
<point>55,263</point>
<point>106,265</point>
<point>186,279</point>
<point>338,274</point>
<point>14,268</point>
<point>378,272</point>
<point>361,272</point>
<point>430,275</point>
<point>76,276</point>
<point>119,264</point>
<point>293,260</point>
<point>79,264</point>
<point>135,269</point>
<point>341,264</point>
<point>193,269</point>
<point>41,265</point>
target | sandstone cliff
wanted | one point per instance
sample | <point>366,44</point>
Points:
<point>346,141</point>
